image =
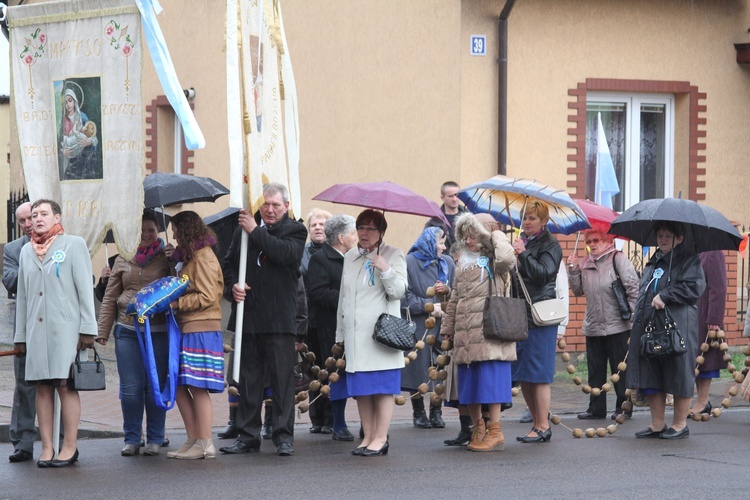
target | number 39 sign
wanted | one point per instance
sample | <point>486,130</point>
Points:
<point>478,45</point>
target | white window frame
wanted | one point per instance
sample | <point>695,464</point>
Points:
<point>633,103</point>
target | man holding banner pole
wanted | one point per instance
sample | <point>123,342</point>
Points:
<point>275,243</point>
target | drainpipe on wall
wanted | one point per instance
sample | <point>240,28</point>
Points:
<point>502,90</point>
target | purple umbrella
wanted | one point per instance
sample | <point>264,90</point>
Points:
<point>385,196</point>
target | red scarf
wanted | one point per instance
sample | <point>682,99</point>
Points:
<point>42,242</point>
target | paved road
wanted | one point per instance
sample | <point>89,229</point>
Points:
<point>712,463</point>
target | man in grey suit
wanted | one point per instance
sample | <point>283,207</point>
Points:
<point>22,430</point>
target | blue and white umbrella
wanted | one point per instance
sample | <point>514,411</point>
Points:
<point>506,199</point>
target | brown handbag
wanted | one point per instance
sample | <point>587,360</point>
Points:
<point>504,318</point>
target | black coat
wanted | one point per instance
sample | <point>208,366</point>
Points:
<point>539,266</point>
<point>680,288</point>
<point>273,257</point>
<point>323,283</point>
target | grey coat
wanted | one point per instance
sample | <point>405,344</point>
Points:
<point>52,310</point>
<point>11,252</point>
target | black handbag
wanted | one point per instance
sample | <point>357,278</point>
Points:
<point>666,342</point>
<point>395,332</point>
<point>504,318</point>
<point>620,295</point>
<point>87,375</point>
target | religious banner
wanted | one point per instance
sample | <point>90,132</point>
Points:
<point>266,82</point>
<point>76,74</point>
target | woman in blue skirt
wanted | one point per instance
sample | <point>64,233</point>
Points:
<point>373,282</point>
<point>539,255</point>
<point>483,258</point>
<point>198,313</point>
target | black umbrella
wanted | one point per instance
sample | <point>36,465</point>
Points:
<point>223,224</point>
<point>705,228</point>
<point>162,189</point>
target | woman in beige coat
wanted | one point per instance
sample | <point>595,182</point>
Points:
<point>373,282</point>
<point>483,253</point>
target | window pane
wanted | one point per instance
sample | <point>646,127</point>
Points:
<point>614,121</point>
<point>652,151</point>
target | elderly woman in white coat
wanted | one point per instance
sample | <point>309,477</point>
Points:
<point>373,281</point>
<point>54,318</point>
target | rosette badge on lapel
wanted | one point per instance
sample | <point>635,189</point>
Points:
<point>57,258</point>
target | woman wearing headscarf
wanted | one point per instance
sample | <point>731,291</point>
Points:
<point>373,282</point>
<point>77,149</point>
<point>484,257</point>
<point>539,256</point>
<point>426,267</point>
<point>125,280</point>
<point>672,279</point>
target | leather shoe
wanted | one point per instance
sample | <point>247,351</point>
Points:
<point>375,453</point>
<point>326,430</point>
<point>241,447</point>
<point>674,434</point>
<point>316,429</point>
<point>65,463</point>
<point>342,435</point>
<point>648,432</point>
<point>359,451</point>
<point>285,450</point>
<point>541,436</point>
<point>43,464</point>
<point>590,416</point>
<point>20,456</point>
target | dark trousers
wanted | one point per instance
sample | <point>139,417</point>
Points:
<point>600,350</point>
<point>271,353</point>
<point>22,430</point>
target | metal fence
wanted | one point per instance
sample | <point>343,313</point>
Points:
<point>14,201</point>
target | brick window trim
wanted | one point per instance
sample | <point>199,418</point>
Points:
<point>152,138</point>
<point>577,131</point>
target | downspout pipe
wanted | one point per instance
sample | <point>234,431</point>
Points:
<point>502,90</point>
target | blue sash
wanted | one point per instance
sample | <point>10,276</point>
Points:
<point>164,398</point>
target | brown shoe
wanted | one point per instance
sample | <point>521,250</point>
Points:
<point>493,441</point>
<point>477,435</point>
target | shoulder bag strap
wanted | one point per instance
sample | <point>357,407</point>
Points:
<point>614,264</point>
<point>523,286</point>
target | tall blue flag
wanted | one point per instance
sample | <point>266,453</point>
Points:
<point>606,180</point>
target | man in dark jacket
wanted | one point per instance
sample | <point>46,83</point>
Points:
<point>274,249</point>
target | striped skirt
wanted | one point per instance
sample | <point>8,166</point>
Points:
<point>202,361</point>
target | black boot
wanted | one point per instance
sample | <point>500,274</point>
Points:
<point>267,431</point>
<point>436,417</point>
<point>464,435</point>
<point>231,431</point>
<point>420,417</point>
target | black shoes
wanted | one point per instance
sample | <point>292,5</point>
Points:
<point>673,434</point>
<point>648,432</point>
<point>230,432</point>
<point>358,452</point>
<point>627,414</point>
<point>64,463</point>
<point>20,456</point>
<point>541,436</point>
<point>590,416</point>
<point>463,438</point>
<point>326,430</point>
<point>285,450</point>
<point>316,429</point>
<point>241,447</point>
<point>266,432</point>
<point>376,453</point>
<point>705,411</point>
<point>420,420</point>
<point>436,417</point>
<point>342,435</point>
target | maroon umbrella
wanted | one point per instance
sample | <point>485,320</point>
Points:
<point>385,196</point>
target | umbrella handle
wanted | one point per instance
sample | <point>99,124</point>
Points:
<point>575,248</point>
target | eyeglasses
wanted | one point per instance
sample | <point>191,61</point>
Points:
<point>593,240</point>
<point>369,229</point>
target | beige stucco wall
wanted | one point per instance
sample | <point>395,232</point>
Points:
<point>388,90</point>
<point>4,168</point>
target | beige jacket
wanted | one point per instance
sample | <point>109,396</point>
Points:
<point>199,309</point>
<point>464,314</point>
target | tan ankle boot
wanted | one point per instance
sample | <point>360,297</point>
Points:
<point>185,447</point>
<point>209,450</point>
<point>493,441</point>
<point>477,435</point>
<point>194,453</point>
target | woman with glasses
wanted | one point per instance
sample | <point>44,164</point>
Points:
<point>604,327</point>
<point>373,282</point>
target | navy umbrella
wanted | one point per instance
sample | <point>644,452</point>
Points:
<point>705,228</point>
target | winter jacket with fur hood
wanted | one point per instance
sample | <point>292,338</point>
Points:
<point>464,314</point>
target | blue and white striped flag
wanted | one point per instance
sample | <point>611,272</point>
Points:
<point>606,180</point>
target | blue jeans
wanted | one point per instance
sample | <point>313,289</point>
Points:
<point>135,389</point>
